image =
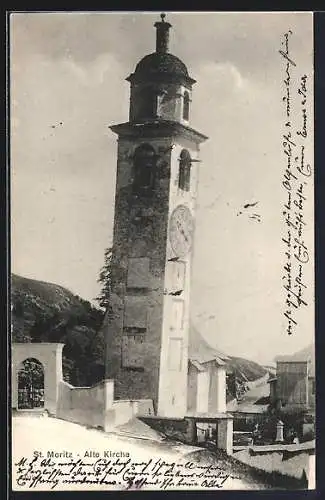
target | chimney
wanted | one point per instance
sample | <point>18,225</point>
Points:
<point>162,37</point>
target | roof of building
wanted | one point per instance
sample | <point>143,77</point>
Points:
<point>290,359</point>
<point>197,365</point>
<point>201,351</point>
<point>250,408</point>
<point>306,354</point>
<point>161,63</point>
<point>162,66</point>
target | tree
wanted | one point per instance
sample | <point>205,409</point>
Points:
<point>104,279</point>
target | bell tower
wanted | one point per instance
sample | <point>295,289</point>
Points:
<point>147,330</point>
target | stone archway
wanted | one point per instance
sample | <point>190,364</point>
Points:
<point>30,385</point>
<point>49,355</point>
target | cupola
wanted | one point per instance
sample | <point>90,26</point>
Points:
<point>160,85</point>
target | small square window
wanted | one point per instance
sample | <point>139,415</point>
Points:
<point>132,352</point>
<point>135,312</point>
<point>138,272</point>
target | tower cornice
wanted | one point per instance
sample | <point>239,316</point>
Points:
<point>158,128</point>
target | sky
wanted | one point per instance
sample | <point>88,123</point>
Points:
<point>68,85</point>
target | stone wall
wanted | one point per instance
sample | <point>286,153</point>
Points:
<point>293,464</point>
<point>86,405</point>
<point>95,406</point>
<point>124,410</point>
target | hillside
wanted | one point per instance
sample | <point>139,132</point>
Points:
<point>46,312</point>
<point>33,300</point>
<point>245,369</point>
<point>44,294</point>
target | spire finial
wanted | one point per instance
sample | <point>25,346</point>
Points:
<point>162,38</point>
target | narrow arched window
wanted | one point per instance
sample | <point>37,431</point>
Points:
<point>186,106</point>
<point>184,177</point>
<point>144,169</point>
<point>147,104</point>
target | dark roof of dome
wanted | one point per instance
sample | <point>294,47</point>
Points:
<point>162,65</point>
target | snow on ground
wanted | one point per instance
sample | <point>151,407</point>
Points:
<point>33,435</point>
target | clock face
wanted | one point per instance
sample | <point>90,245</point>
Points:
<point>181,227</point>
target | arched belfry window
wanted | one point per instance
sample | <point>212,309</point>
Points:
<point>144,168</point>
<point>184,178</point>
<point>186,106</point>
<point>148,103</point>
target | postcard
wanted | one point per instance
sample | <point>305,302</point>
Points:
<point>162,242</point>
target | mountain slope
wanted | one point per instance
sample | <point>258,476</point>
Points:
<point>46,312</point>
<point>246,370</point>
<point>47,293</point>
<point>34,300</point>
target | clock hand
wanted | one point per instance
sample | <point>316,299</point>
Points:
<point>181,230</point>
<point>183,233</point>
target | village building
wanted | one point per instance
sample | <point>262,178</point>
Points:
<point>206,390</point>
<point>294,383</point>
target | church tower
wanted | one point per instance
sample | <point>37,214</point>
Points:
<point>147,330</point>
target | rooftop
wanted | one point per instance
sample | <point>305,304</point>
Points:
<point>201,352</point>
<point>305,354</point>
<point>161,65</point>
